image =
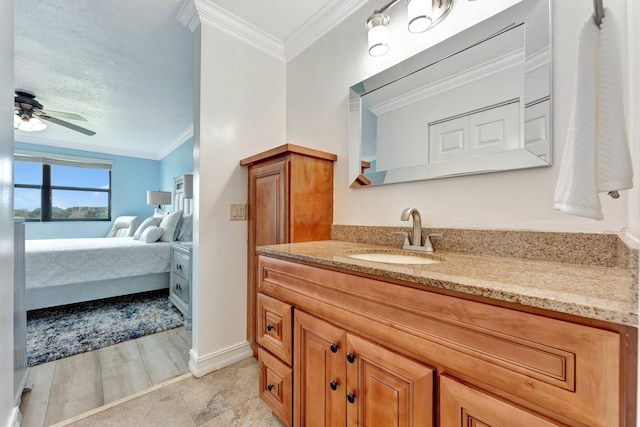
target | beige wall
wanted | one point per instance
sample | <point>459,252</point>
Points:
<point>247,97</point>
<point>7,411</point>
<point>633,118</point>
<point>240,105</point>
<point>317,104</point>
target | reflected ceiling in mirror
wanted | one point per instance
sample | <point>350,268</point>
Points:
<point>478,102</point>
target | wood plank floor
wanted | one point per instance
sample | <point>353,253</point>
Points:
<point>71,386</point>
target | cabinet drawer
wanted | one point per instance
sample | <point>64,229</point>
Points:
<point>180,264</point>
<point>275,385</point>
<point>180,288</point>
<point>465,406</point>
<point>274,328</point>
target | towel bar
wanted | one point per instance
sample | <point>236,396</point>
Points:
<point>598,12</point>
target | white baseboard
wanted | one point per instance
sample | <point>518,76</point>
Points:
<point>203,365</point>
<point>15,418</point>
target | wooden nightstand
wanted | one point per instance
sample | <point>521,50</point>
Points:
<point>180,293</point>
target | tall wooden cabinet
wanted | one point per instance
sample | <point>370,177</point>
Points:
<point>290,200</point>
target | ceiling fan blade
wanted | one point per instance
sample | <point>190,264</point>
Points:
<point>60,115</point>
<point>67,125</point>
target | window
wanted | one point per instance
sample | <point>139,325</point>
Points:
<point>50,187</point>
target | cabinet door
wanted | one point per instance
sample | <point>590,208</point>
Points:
<point>267,224</point>
<point>462,406</point>
<point>268,202</point>
<point>319,373</point>
<point>385,388</point>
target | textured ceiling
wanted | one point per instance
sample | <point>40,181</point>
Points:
<point>127,67</point>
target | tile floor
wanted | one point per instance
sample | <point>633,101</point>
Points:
<point>228,397</point>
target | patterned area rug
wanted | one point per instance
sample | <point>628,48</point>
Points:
<point>57,332</point>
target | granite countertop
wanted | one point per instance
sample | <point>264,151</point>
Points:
<point>603,293</point>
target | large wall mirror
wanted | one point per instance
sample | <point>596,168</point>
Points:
<point>478,102</point>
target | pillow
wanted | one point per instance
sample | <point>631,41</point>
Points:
<point>178,227</point>
<point>151,234</point>
<point>146,223</point>
<point>169,224</point>
<point>186,229</point>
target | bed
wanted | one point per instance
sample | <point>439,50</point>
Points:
<point>65,271</point>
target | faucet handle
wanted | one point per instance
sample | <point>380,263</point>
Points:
<point>427,243</point>
<point>406,238</point>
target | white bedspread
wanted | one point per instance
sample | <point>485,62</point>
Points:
<point>54,262</point>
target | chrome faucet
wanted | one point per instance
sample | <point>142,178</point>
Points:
<point>416,242</point>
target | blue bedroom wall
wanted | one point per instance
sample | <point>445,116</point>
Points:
<point>176,163</point>
<point>131,177</point>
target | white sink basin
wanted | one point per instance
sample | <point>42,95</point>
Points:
<point>390,258</point>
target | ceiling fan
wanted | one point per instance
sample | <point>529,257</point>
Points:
<point>26,107</point>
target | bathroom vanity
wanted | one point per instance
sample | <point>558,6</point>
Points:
<point>470,340</point>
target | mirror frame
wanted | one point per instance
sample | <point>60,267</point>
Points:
<point>521,158</point>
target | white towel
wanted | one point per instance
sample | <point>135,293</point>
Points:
<point>596,155</point>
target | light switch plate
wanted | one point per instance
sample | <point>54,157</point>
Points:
<point>238,212</point>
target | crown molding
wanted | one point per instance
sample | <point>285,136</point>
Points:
<point>188,15</point>
<point>178,141</point>
<point>193,12</point>
<point>331,15</point>
<point>502,63</point>
<point>239,28</point>
<point>83,146</point>
<point>96,148</point>
<point>537,59</point>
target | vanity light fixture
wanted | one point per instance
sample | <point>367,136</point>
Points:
<point>422,15</point>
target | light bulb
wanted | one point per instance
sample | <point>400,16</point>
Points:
<point>419,15</point>
<point>36,124</point>
<point>378,35</point>
<point>31,125</point>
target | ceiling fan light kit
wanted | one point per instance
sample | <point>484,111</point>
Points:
<point>26,107</point>
<point>28,124</point>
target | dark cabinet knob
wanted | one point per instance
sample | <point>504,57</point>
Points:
<point>333,384</point>
<point>351,358</point>
<point>269,387</point>
<point>269,328</point>
<point>334,348</point>
<point>351,397</point>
